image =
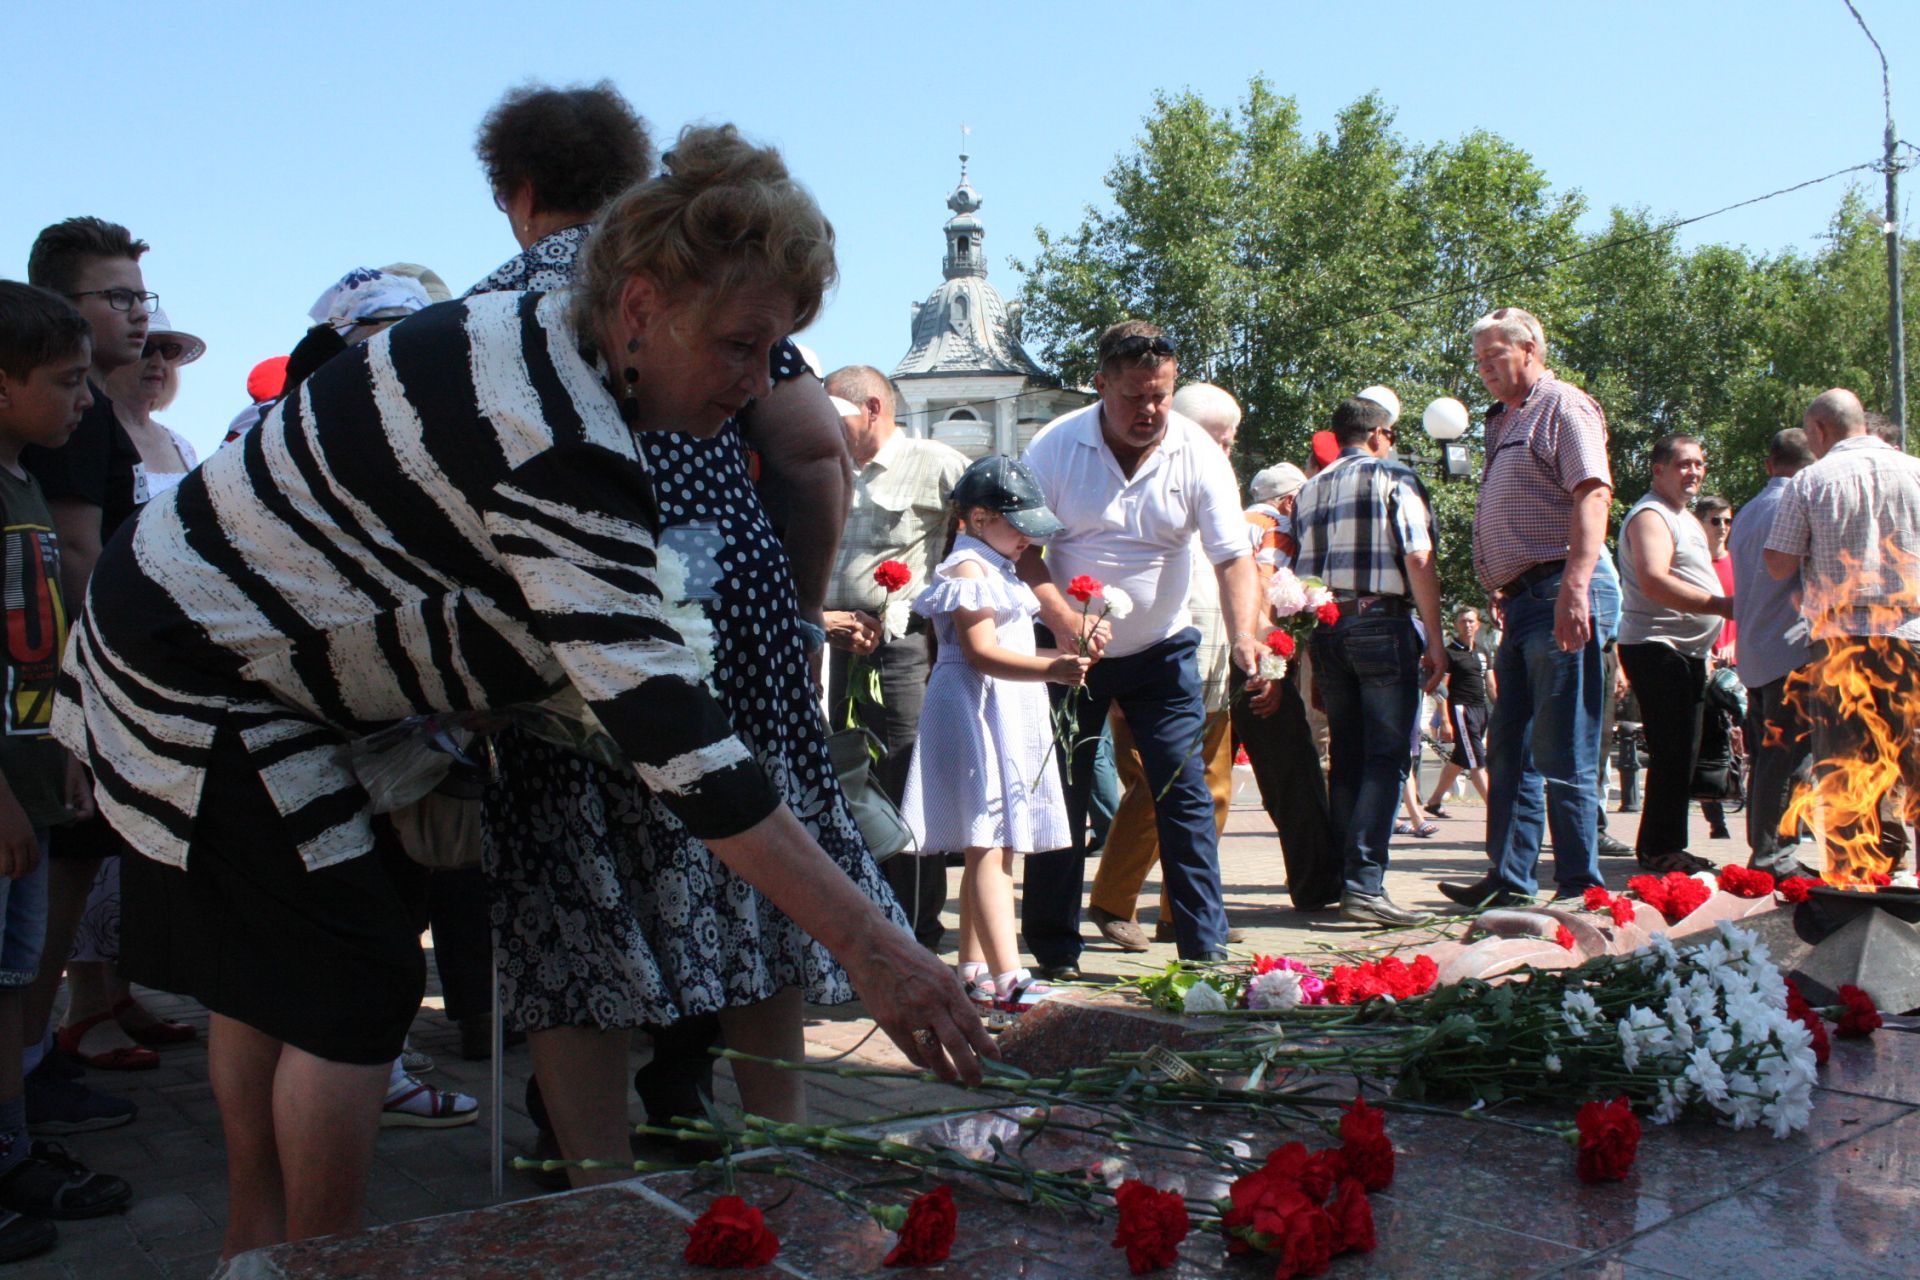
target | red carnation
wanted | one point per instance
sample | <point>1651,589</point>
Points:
<point>1609,1139</point>
<point>1563,936</point>
<point>1328,613</point>
<point>1685,895</point>
<point>1596,898</point>
<point>1152,1225</point>
<point>1860,1018</point>
<point>1365,1146</point>
<point>1622,910</point>
<point>1352,1216</point>
<point>1085,588</point>
<point>927,1236</point>
<point>892,575</point>
<point>1807,1016</point>
<point>1270,1212</point>
<point>1651,890</point>
<point>1794,888</point>
<point>1281,642</point>
<point>1313,1172</point>
<point>1425,973</point>
<point>1743,882</point>
<point>731,1233</point>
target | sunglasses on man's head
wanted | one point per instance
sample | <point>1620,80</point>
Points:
<point>165,348</point>
<point>1138,345</point>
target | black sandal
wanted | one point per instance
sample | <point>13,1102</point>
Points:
<point>49,1183</point>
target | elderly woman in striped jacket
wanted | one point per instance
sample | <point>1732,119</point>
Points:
<point>454,517</point>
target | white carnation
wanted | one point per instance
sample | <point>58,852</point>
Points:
<point>1117,603</point>
<point>1552,1064</point>
<point>1203,997</point>
<point>1286,594</point>
<point>1273,667</point>
<point>1274,989</point>
<point>1318,593</point>
<point>670,574</point>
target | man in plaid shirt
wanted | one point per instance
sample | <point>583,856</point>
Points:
<point>1365,529</point>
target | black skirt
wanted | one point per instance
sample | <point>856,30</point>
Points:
<point>327,960</point>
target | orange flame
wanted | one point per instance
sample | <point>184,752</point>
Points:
<point>1863,696</point>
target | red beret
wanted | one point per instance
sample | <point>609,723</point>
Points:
<point>268,379</point>
<point>1325,449</point>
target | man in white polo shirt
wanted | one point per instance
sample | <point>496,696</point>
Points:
<point>1133,482</point>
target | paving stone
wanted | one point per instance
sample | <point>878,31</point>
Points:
<point>174,1213</point>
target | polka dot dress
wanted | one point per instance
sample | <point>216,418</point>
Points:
<point>607,912</point>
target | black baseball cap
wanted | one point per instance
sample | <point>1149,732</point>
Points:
<point>1009,487</point>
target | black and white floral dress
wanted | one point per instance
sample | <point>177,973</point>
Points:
<point>606,911</point>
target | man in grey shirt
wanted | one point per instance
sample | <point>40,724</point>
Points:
<point>1773,646</point>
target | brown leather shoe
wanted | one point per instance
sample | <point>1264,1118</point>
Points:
<point>1122,933</point>
<point>1163,932</point>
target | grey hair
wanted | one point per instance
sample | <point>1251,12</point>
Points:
<point>1208,405</point>
<point>1514,325</point>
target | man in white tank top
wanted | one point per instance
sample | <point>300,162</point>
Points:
<point>1671,608</point>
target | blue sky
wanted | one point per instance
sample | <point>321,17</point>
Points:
<point>265,149</point>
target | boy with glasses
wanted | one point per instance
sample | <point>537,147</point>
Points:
<point>92,483</point>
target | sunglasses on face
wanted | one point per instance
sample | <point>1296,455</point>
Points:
<point>166,348</point>
<point>122,299</point>
<point>1719,519</point>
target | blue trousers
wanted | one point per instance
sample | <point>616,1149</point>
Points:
<point>1158,690</point>
<point>1543,742</point>
<point>1367,668</point>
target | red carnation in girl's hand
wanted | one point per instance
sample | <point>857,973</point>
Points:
<point>1328,613</point>
<point>1609,1139</point>
<point>731,1233</point>
<point>1281,642</point>
<point>1596,898</point>
<point>1352,1216</point>
<point>1364,1145</point>
<point>1860,1018</point>
<point>1152,1225</point>
<point>927,1236</point>
<point>1085,588</point>
<point>1794,888</point>
<point>892,575</point>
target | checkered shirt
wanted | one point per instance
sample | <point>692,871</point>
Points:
<point>1357,521</point>
<point>1855,516</point>
<point>1537,455</point>
<point>899,512</point>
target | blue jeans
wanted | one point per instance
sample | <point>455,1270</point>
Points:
<point>1543,742</point>
<point>1367,667</point>
<point>23,921</point>
<point>1158,690</point>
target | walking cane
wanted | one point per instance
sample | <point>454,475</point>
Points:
<point>498,1145</point>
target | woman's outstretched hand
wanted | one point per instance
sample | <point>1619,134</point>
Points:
<point>921,1006</point>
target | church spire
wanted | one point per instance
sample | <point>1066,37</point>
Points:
<point>964,231</point>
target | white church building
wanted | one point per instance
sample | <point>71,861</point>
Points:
<point>967,381</point>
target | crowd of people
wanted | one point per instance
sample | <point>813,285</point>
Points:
<point>508,614</point>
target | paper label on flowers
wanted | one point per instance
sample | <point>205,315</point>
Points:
<point>1172,1066</point>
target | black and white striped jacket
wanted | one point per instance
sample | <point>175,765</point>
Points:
<point>450,517</point>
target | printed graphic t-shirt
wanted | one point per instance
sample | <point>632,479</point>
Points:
<point>36,632</point>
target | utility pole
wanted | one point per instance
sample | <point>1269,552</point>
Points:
<point>1896,310</point>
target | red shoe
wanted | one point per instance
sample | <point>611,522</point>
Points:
<point>128,1057</point>
<point>157,1032</point>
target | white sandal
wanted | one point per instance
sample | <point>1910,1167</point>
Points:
<point>412,1105</point>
